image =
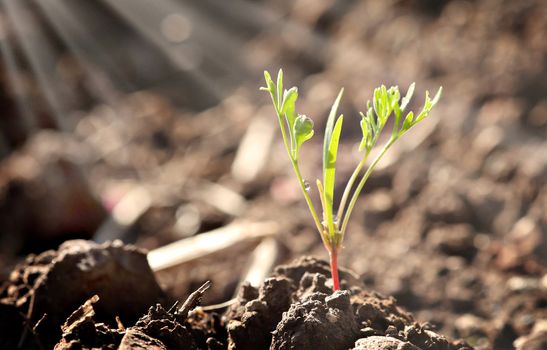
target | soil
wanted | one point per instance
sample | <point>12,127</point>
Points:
<point>453,225</point>
<point>297,301</point>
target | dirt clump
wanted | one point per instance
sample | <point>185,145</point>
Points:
<point>317,318</point>
<point>81,332</point>
<point>293,309</point>
<point>49,286</point>
<point>158,328</point>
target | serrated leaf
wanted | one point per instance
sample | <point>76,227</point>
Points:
<point>303,131</point>
<point>377,104</point>
<point>330,172</point>
<point>381,105</point>
<point>365,129</point>
<point>408,121</point>
<point>388,104</point>
<point>371,119</point>
<point>370,139</point>
<point>394,96</point>
<point>428,105</point>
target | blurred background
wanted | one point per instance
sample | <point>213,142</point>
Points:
<point>142,121</point>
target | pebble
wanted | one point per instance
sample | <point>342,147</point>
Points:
<point>468,325</point>
<point>543,283</point>
<point>522,284</point>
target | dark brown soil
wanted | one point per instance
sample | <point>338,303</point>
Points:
<point>294,309</point>
<point>453,225</point>
<point>48,287</point>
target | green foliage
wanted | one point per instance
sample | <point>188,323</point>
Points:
<point>297,129</point>
<point>302,131</point>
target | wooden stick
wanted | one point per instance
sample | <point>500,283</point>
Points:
<point>204,244</point>
<point>261,263</point>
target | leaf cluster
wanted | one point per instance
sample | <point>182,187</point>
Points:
<point>299,126</point>
<point>297,129</point>
<point>386,102</point>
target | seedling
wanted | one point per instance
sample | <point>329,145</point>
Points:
<point>297,129</point>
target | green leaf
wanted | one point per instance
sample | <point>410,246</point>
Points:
<point>279,88</point>
<point>390,94</point>
<point>382,105</point>
<point>365,129</point>
<point>437,97</point>
<point>408,122</point>
<point>377,103</point>
<point>330,172</point>
<point>408,96</point>
<point>428,105</point>
<point>303,131</point>
<point>289,105</point>
<point>270,87</point>
<point>329,127</point>
<point>394,97</point>
<point>371,119</point>
<point>321,198</point>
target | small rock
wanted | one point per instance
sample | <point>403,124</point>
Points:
<point>536,340</point>
<point>425,339</point>
<point>525,241</point>
<point>369,331</point>
<point>522,284</point>
<point>383,343</point>
<point>543,283</point>
<point>469,325</point>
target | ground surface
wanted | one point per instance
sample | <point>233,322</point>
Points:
<point>295,308</point>
<point>453,225</point>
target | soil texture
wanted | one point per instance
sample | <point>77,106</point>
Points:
<point>293,309</point>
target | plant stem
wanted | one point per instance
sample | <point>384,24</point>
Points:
<point>333,254</point>
<point>349,185</point>
<point>307,197</point>
<point>284,134</point>
<point>357,191</point>
<point>294,163</point>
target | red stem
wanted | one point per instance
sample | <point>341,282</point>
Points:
<point>333,253</point>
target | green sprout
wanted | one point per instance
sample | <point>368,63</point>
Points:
<point>297,129</point>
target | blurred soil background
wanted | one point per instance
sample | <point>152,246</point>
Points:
<point>142,121</point>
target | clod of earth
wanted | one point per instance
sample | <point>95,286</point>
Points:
<point>55,283</point>
<point>320,319</point>
<point>293,309</point>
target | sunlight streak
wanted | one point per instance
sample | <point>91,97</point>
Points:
<point>24,105</point>
<point>83,45</point>
<point>142,15</point>
<point>39,53</point>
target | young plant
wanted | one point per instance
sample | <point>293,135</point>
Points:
<point>297,129</point>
